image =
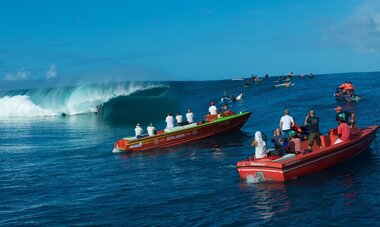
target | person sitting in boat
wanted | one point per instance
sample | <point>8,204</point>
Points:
<point>294,145</point>
<point>169,121</point>
<point>260,146</point>
<point>190,116</point>
<point>344,131</point>
<point>179,119</point>
<point>138,131</point>
<point>212,109</point>
<point>340,113</point>
<point>278,141</point>
<point>225,106</point>
<point>343,86</point>
<point>151,130</point>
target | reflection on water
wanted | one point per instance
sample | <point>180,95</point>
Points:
<point>268,199</point>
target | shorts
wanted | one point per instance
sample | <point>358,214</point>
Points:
<point>286,133</point>
<point>314,136</point>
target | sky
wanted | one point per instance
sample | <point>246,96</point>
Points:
<point>45,43</point>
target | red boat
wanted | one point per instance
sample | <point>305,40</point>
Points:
<point>292,166</point>
<point>213,124</point>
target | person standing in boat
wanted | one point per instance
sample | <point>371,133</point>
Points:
<point>138,131</point>
<point>260,146</point>
<point>179,119</point>
<point>169,121</point>
<point>212,109</point>
<point>190,116</point>
<point>344,131</point>
<point>286,123</point>
<point>151,130</point>
<point>340,113</point>
<point>314,135</point>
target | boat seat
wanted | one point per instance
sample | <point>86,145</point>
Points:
<point>325,141</point>
<point>285,157</point>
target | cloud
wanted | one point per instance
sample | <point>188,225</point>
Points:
<point>360,31</point>
<point>20,75</point>
<point>52,72</point>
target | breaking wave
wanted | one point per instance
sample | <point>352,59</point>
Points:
<point>72,100</point>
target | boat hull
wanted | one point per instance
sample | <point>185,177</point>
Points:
<point>310,163</point>
<point>200,131</point>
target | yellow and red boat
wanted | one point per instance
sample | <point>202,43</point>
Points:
<point>212,125</point>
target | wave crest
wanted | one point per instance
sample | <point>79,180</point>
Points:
<point>68,100</point>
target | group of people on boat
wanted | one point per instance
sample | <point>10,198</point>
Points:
<point>170,121</point>
<point>288,137</point>
<point>347,89</point>
<point>256,78</point>
<point>151,130</point>
<point>179,119</point>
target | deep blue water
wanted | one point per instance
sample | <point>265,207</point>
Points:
<point>61,171</point>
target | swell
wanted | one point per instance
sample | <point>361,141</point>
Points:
<point>78,99</point>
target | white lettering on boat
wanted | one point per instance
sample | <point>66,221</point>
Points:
<point>136,145</point>
<point>175,137</point>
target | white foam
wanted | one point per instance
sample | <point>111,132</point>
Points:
<point>21,105</point>
<point>71,101</point>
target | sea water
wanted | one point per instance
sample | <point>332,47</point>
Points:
<point>61,170</point>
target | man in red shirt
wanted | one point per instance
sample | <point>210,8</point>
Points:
<point>344,131</point>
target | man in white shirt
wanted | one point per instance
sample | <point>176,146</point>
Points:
<point>169,121</point>
<point>190,116</point>
<point>212,109</point>
<point>151,130</point>
<point>138,131</point>
<point>286,123</point>
<point>179,119</point>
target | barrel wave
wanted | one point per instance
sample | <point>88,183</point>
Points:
<point>115,102</point>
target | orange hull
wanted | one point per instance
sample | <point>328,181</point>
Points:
<point>300,165</point>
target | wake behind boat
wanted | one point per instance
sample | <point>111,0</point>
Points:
<point>214,124</point>
<point>291,166</point>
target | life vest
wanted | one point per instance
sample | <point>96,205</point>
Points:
<point>344,86</point>
<point>297,128</point>
<point>350,87</point>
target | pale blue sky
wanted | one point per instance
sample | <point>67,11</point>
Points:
<point>52,42</point>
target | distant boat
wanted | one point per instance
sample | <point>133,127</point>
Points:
<point>246,83</point>
<point>287,84</point>
<point>238,79</point>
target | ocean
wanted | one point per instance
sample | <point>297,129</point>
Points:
<point>60,170</point>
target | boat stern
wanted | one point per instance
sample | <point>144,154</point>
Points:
<point>260,170</point>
